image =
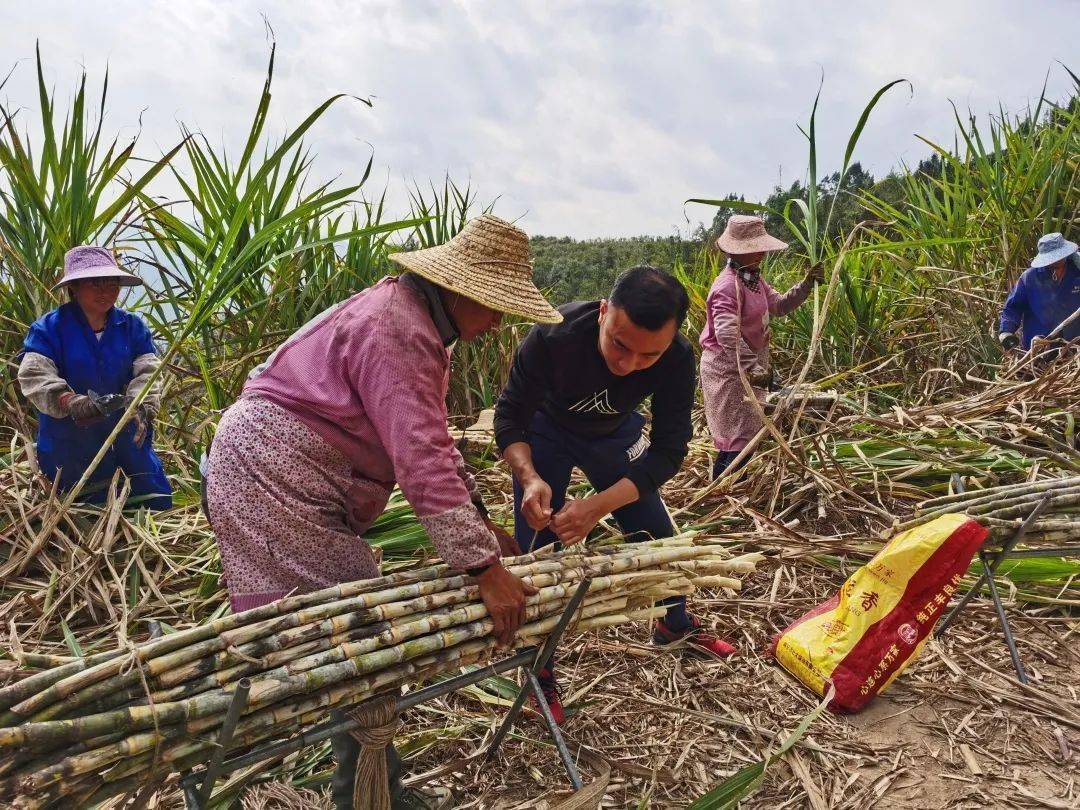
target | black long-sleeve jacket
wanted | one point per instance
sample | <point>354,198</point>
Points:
<point>559,369</point>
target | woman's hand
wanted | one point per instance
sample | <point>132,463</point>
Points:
<point>80,408</point>
<point>536,503</point>
<point>575,520</point>
<point>816,273</point>
<point>504,597</point>
<point>143,418</point>
<point>760,377</point>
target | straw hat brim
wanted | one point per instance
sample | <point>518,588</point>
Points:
<point>125,279</point>
<point>759,244</point>
<point>487,283</point>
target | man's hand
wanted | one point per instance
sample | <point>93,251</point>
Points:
<point>536,503</point>
<point>816,273</point>
<point>575,520</point>
<point>508,546</point>
<point>504,597</point>
<point>1008,341</point>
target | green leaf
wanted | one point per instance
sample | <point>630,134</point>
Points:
<point>69,639</point>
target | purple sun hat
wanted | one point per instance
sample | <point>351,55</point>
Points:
<point>86,261</point>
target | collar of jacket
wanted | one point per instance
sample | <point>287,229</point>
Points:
<point>1069,268</point>
<point>445,325</point>
<point>112,318</point>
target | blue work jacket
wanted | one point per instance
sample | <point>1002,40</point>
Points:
<point>1039,303</point>
<point>104,366</point>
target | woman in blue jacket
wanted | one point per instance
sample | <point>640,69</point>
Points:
<point>73,359</point>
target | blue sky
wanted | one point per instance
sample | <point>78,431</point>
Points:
<point>584,119</point>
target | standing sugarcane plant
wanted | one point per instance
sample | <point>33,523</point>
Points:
<point>74,189</point>
<point>804,219</point>
<point>807,223</point>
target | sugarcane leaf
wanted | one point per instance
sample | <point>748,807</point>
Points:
<point>70,640</point>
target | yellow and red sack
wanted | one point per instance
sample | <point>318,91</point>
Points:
<point>863,637</point>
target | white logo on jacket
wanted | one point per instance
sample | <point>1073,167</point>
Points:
<point>594,403</point>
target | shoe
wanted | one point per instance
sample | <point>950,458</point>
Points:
<point>430,798</point>
<point>697,640</point>
<point>550,688</point>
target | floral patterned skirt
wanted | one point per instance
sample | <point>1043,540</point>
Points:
<point>732,418</point>
<point>286,507</point>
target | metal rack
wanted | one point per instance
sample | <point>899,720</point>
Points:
<point>991,559</point>
<point>198,785</point>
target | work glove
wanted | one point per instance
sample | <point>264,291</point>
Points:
<point>760,377</point>
<point>816,273</point>
<point>80,408</point>
<point>1008,341</point>
<point>143,418</point>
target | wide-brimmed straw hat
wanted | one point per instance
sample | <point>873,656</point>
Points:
<point>488,261</point>
<point>1053,247</point>
<point>746,234</point>
<point>86,261</point>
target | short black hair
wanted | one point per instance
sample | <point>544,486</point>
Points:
<point>650,297</point>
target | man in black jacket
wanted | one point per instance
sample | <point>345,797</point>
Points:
<point>572,400</point>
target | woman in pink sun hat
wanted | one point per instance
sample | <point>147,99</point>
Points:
<point>80,364</point>
<point>736,334</point>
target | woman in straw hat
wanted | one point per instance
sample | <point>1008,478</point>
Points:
<point>736,335</point>
<point>350,405</point>
<point>80,365</point>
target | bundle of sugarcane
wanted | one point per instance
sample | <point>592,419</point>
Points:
<point>81,732</point>
<point>1002,509</point>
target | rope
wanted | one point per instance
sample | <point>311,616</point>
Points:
<point>135,662</point>
<point>378,723</point>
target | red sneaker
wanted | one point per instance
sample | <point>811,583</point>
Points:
<point>695,637</point>
<point>550,687</point>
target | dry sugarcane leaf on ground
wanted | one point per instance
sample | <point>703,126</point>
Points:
<point>671,727</point>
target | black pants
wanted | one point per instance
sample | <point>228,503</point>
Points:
<point>604,460</point>
<point>346,753</point>
<point>723,461</point>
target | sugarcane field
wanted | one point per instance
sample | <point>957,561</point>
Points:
<point>357,451</point>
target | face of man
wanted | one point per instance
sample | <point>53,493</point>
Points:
<point>627,347</point>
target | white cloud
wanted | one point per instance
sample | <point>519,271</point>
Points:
<point>587,118</point>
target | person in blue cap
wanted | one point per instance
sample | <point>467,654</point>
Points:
<point>80,365</point>
<point>1044,297</point>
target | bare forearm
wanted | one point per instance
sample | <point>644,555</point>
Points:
<point>519,456</point>
<point>618,495</point>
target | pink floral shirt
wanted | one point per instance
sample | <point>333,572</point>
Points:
<point>370,376</point>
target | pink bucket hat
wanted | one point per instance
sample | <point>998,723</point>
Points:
<point>86,261</point>
<point>746,234</point>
